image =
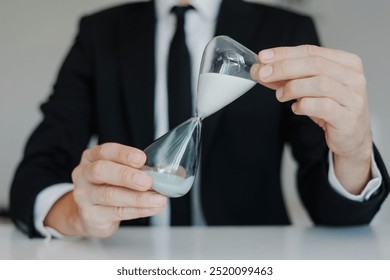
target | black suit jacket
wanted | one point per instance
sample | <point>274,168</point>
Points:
<point>106,87</point>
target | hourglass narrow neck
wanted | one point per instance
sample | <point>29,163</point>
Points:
<point>198,117</point>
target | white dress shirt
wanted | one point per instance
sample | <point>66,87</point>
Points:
<point>200,27</point>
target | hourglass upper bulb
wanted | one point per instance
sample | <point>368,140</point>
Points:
<point>225,74</point>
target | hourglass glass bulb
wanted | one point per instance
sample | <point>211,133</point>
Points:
<point>172,160</point>
<point>225,74</point>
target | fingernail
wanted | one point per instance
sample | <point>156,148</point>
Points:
<point>135,157</point>
<point>266,71</point>
<point>143,180</point>
<point>279,93</point>
<point>157,199</point>
<point>254,72</point>
<point>294,107</point>
<point>266,55</point>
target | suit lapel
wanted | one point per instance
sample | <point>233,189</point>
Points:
<point>237,20</point>
<point>137,37</point>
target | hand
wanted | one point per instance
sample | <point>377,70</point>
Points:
<point>109,188</point>
<point>329,86</point>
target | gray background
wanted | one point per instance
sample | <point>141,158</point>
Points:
<point>35,35</point>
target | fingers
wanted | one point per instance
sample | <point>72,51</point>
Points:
<point>338,56</point>
<point>103,221</point>
<point>112,164</point>
<point>112,173</point>
<point>101,207</point>
<point>255,75</point>
<point>322,108</point>
<point>306,72</point>
<point>109,187</point>
<point>121,197</point>
<point>117,153</point>
<point>297,68</point>
<point>319,86</point>
<point>116,204</point>
<point>106,215</point>
<point>280,65</point>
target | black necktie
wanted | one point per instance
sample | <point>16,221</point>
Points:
<point>180,101</point>
<point>179,73</point>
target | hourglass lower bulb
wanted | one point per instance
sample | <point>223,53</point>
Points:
<point>172,160</point>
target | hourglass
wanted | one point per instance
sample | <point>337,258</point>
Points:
<point>225,75</point>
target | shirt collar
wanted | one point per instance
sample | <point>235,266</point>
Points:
<point>207,9</point>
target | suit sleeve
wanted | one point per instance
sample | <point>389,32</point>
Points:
<point>55,146</point>
<point>307,140</point>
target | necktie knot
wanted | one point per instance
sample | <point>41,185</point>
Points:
<point>180,11</point>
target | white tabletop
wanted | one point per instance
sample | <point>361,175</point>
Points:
<point>278,243</point>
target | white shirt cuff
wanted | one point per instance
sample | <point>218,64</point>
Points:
<point>44,202</point>
<point>371,187</point>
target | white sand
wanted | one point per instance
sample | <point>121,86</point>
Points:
<point>170,185</point>
<point>215,91</point>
